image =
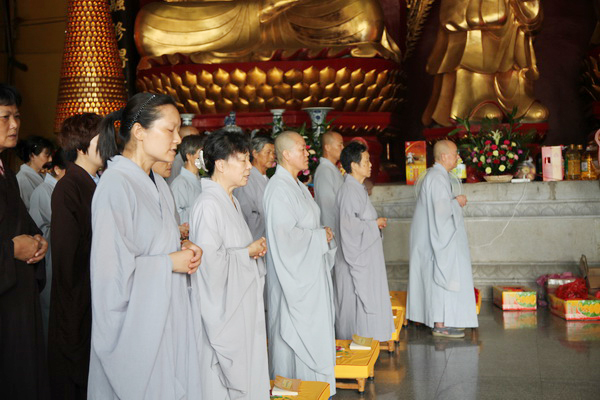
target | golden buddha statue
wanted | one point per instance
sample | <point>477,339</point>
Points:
<point>212,31</point>
<point>484,55</point>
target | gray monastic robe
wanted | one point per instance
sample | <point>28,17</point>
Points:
<point>176,168</point>
<point>251,201</point>
<point>143,343</point>
<point>362,299</point>
<point>440,285</point>
<point>299,288</point>
<point>28,180</point>
<point>234,347</point>
<point>328,180</point>
<point>41,213</point>
<point>186,188</point>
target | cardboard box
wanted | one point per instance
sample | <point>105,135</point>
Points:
<point>416,160</point>
<point>552,163</point>
<point>510,298</point>
<point>591,274</point>
<point>576,310</point>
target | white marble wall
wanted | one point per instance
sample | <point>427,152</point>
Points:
<point>517,232</point>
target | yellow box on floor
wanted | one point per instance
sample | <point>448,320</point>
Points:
<point>575,310</point>
<point>310,390</point>
<point>354,364</point>
<point>515,298</point>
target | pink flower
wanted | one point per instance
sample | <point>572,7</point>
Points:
<point>488,142</point>
<point>507,142</point>
<point>503,158</point>
<point>516,157</point>
<point>494,147</point>
<point>306,172</point>
<point>519,151</point>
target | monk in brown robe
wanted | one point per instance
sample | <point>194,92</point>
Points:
<point>23,371</point>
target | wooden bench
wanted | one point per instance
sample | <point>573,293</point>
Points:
<point>398,300</point>
<point>311,390</point>
<point>355,365</point>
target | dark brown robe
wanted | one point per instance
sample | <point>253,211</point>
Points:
<point>70,321</point>
<point>23,372</point>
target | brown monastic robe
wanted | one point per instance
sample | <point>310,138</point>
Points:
<point>70,322</point>
<point>23,372</point>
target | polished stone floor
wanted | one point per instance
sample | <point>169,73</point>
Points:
<point>513,355</point>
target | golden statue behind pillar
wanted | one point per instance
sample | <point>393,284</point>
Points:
<point>484,53</point>
<point>252,30</point>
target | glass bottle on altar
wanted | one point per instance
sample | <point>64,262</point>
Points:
<point>588,170</point>
<point>573,164</point>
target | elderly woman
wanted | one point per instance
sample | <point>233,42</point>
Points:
<point>362,294</point>
<point>234,351</point>
<point>23,369</point>
<point>142,340</point>
<point>250,196</point>
<point>35,152</point>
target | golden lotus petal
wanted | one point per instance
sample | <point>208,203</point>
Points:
<point>156,83</point>
<point>327,76</point>
<point>184,92</point>
<point>338,103</point>
<point>265,91</point>
<point>315,90</point>
<point>283,90</point>
<point>224,106</point>
<point>387,90</point>
<point>300,91</point>
<point>205,78</point>
<point>221,78</point>
<point>357,76</point>
<point>351,104</point>
<point>140,85</point>
<point>375,104</point>
<point>258,104</point>
<point>370,78</point>
<point>198,93</point>
<point>238,77</point>
<point>387,105</point>
<point>310,101</point>
<point>161,91</point>
<point>292,77</point>
<point>359,91</point>
<point>256,77</point>
<point>293,104</point>
<point>176,80</point>
<point>173,93</point>
<point>231,92</point>
<point>208,107</point>
<point>382,78</point>
<point>346,90</point>
<point>242,105</point>
<point>310,75</point>
<point>372,91</point>
<point>190,79</point>
<point>342,76</point>
<point>363,104</point>
<point>274,76</point>
<point>192,107</point>
<point>166,82</point>
<point>180,107</point>
<point>213,92</point>
<point>331,90</point>
<point>148,83</point>
<point>275,102</point>
<point>325,102</point>
<point>248,92</point>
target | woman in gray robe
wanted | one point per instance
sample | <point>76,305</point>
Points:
<point>234,350</point>
<point>143,344</point>
<point>362,299</point>
<point>35,152</point>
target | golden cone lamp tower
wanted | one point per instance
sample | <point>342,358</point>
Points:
<point>91,77</point>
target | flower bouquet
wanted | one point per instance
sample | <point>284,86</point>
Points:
<point>496,148</point>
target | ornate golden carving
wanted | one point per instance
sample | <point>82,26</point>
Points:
<point>483,53</point>
<point>418,11</point>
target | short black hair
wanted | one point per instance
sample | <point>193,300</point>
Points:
<point>58,159</point>
<point>222,144</point>
<point>33,145</point>
<point>352,153</point>
<point>9,96</point>
<point>189,145</point>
